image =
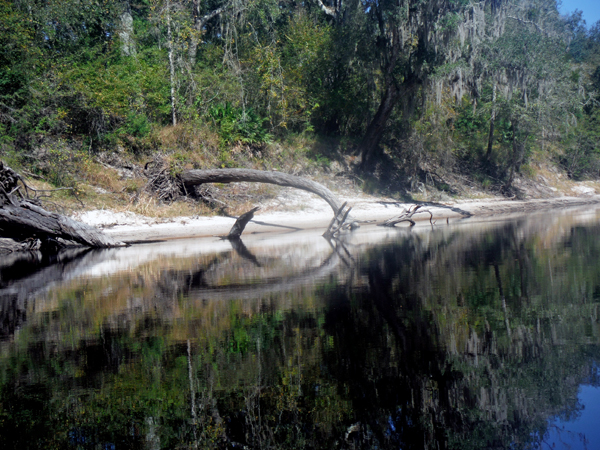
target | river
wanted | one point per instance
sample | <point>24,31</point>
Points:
<point>473,335</point>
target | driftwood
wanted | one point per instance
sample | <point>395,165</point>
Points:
<point>339,222</point>
<point>196,177</point>
<point>407,216</point>
<point>23,218</point>
<point>238,227</point>
<point>9,246</point>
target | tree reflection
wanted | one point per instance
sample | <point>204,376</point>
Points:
<point>445,339</point>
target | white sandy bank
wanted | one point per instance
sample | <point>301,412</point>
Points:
<point>296,209</point>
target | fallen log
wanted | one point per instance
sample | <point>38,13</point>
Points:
<point>407,216</point>
<point>24,220</point>
<point>21,218</point>
<point>195,177</point>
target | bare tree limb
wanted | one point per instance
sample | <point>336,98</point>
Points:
<point>214,13</point>
<point>407,216</point>
<point>338,222</point>
<point>333,12</point>
<point>528,22</point>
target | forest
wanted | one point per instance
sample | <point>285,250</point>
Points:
<point>396,93</point>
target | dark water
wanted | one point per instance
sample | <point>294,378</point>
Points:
<point>473,336</point>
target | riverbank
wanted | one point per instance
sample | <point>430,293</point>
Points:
<point>294,210</point>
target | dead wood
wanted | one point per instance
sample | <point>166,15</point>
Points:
<point>192,178</point>
<point>23,218</point>
<point>338,222</point>
<point>407,216</point>
<point>161,182</point>
<point>10,246</point>
<point>238,227</point>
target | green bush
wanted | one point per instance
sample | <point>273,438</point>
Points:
<point>136,125</point>
<point>581,158</point>
<point>236,125</point>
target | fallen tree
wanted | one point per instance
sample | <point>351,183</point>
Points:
<point>22,218</point>
<point>341,218</point>
<point>407,216</point>
<point>192,178</point>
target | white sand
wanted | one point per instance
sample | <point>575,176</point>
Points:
<point>295,209</point>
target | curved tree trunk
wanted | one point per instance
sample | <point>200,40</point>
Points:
<point>377,127</point>
<point>391,95</point>
<point>195,177</point>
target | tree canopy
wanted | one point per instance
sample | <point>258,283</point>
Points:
<point>472,87</point>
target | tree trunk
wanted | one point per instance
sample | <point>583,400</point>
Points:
<point>171,64</point>
<point>126,34</point>
<point>376,128</point>
<point>195,35</point>
<point>518,153</point>
<point>22,219</point>
<point>488,154</point>
<point>195,177</point>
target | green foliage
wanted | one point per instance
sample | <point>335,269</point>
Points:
<point>264,70</point>
<point>72,27</point>
<point>450,22</point>
<point>61,165</point>
<point>20,62</point>
<point>581,158</point>
<point>471,122</point>
<point>136,125</point>
<point>237,125</point>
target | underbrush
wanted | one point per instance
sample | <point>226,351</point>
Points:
<point>434,162</point>
<point>121,178</point>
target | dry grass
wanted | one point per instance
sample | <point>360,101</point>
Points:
<point>103,176</point>
<point>197,145</point>
<point>147,205</point>
<point>102,187</point>
<point>117,180</point>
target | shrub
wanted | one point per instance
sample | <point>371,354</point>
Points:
<point>236,125</point>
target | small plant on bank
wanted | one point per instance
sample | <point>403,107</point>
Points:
<point>237,125</point>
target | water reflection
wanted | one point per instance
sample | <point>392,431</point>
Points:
<point>456,337</point>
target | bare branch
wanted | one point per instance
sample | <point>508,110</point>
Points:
<point>204,19</point>
<point>330,11</point>
<point>528,22</point>
<point>407,216</point>
<point>196,177</point>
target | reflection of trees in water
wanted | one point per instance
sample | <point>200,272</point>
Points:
<point>24,274</point>
<point>447,340</point>
<point>494,386</point>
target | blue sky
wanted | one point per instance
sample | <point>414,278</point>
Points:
<point>590,8</point>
